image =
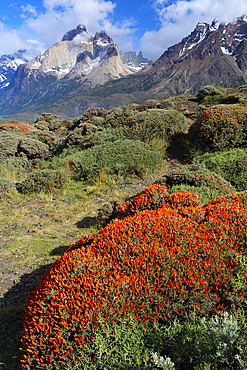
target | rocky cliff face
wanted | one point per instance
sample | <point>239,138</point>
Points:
<point>77,53</point>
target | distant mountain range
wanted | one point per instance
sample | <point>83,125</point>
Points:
<point>83,71</point>
<point>8,67</point>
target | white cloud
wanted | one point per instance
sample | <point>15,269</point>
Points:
<point>178,19</point>
<point>28,9</point>
<point>10,42</point>
<point>61,16</point>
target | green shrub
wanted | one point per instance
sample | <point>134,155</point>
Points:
<point>15,168</point>
<point>120,158</point>
<point>8,144</point>
<point>77,141</point>
<point>6,186</point>
<point>46,118</point>
<point>32,149</point>
<point>54,125</point>
<point>155,124</point>
<point>232,165</point>
<point>90,114</point>
<point>42,180</point>
<point>45,136</point>
<point>208,91</point>
<point>193,178</point>
<point>220,127</point>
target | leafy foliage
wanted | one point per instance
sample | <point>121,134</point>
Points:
<point>219,128</point>
<point>6,186</point>
<point>120,157</point>
<point>42,180</point>
<point>155,124</point>
<point>229,164</point>
<point>133,278</point>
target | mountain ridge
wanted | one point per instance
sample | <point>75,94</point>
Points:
<point>103,77</point>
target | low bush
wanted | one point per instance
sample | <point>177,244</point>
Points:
<point>121,158</point>
<point>18,128</point>
<point>219,128</point>
<point>209,92</point>
<point>155,124</point>
<point>32,149</point>
<point>6,186</point>
<point>15,168</point>
<point>156,196</point>
<point>232,165</point>
<point>206,184</point>
<point>14,145</point>
<point>8,144</point>
<point>42,180</point>
<point>94,114</point>
<point>45,137</point>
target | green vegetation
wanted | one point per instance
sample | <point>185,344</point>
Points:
<point>229,164</point>
<point>220,127</point>
<point>120,158</point>
<point>151,268</point>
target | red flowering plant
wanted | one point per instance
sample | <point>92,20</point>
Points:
<point>138,273</point>
<point>20,128</point>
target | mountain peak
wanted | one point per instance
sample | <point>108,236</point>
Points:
<point>70,35</point>
<point>102,39</point>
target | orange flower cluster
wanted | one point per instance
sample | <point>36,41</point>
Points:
<point>21,128</point>
<point>156,196</point>
<point>150,266</point>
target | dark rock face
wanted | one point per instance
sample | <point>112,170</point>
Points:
<point>70,35</point>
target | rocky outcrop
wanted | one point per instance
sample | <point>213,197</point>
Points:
<point>132,60</point>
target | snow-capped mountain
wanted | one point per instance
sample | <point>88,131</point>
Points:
<point>70,76</point>
<point>9,65</point>
<point>79,59</point>
<point>212,54</point>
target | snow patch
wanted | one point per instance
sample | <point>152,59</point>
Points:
<point>225,51</point>
<point>36,65</point>
<point>103,43</point>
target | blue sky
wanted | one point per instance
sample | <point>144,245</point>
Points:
<point>148,25</point>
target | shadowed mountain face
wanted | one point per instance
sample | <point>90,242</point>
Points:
<point>211,54</point>
<point>84,71</point>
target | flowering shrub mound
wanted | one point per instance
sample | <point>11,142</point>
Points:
<point>137,273</point>
<point>156,196</point>
<point>18,128</point>
<point>220,127</point>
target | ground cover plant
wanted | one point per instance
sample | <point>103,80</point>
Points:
<point>229,164</point>
<point>134,276</point>
<point>194,178</point>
